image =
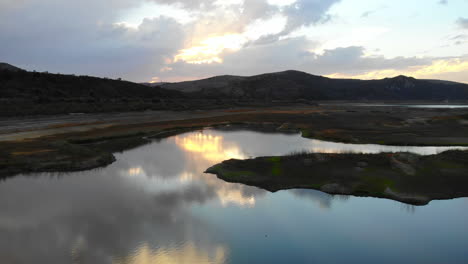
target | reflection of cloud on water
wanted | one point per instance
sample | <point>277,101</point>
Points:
<point>324,200</point>
<point>188,253</point>
<point>319,146</point>
<point>94,216</point>
<point>141,208</point>
<point>229,196</point>
<point>203,150</point>
<point>135,171</point>
<point>193,153</point>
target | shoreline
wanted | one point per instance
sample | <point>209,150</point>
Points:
<point>70,149</point>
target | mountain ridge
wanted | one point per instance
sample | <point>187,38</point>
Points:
<point>32,93</point>
<point>292,85</point>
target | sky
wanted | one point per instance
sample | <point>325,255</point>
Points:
<point>178,40</point>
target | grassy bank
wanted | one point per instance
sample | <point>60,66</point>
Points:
<point>404,177</point>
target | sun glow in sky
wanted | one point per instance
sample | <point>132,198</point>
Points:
<point>210,49</point>
<point>181,40</point>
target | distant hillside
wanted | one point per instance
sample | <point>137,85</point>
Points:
<point>26,93</point>
<point>153,84</point>
<point>34,93</point>
<point>8,67</point>
<point>293,85</point>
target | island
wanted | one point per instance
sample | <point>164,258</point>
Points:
<point>404,177</point>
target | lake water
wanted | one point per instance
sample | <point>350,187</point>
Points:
<point>155,205</point>
<point>435,106</point>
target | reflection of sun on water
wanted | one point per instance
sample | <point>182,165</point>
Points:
<point>135,171</point>
<point>186,254</point>
<point>228,196</point>
<point>212,148</point>
<point>209,150</point>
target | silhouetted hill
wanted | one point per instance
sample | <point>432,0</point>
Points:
<point>23,92</point>
<point>9,67</point>
<point>293,85</point>
<point>33,93</point>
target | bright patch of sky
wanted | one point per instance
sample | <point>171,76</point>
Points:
<point>394,28</point>
<point>261,27</point>
<point>228,2</point>
<point>210,49</point>
<point>135,16</point>
<point>398,28</point>
<point>281,2</point>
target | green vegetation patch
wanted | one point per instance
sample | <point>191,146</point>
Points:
<point>276,169</point>
<point>443,164</point>
<point>275,159</point>
<point>376,184</point>
<point>228,174</point>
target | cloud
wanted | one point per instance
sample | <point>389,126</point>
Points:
<point>292,53</point>
<point>367,13</point>
<point>228,36</point>
<point>343,62</point>
<point>188,4</point>
<point>462,22</point>
<point>353,60</point>
<point>459,39</point>
<point>89,37</point>
<point>83,37</point>
<point>306,12</point>
<point>460,36</point>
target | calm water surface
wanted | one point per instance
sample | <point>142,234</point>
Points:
<point>435,106</point>
<point>155,205</point>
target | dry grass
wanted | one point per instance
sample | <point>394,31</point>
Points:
<point>31,152</point>
<point>65,125</point>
